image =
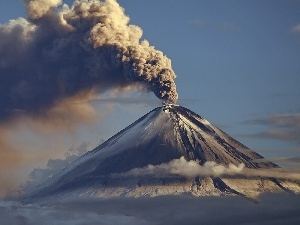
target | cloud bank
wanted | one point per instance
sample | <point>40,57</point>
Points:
<point>176,210</point>
<point>185,168</point>
<point>191,169</point>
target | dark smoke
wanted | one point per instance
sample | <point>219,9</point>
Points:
<point>61,52</point>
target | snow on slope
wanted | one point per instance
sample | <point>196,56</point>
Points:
<point>164,134</point>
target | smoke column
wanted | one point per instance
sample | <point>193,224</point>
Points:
<point>60,52</point>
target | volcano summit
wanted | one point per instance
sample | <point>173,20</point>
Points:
<point>169,151</point>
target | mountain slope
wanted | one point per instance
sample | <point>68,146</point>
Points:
<point>164,134</point>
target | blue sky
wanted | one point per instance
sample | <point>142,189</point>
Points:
<point>235,60</point>
<point>237,65</point>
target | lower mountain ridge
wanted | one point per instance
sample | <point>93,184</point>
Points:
<point>169,151</point>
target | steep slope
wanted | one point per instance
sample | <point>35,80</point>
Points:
<point>164,134</point>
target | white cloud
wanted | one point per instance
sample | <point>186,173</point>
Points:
<point>191,169</point>
<point>185,168</point>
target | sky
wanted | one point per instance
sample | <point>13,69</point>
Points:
<point>237,65</point>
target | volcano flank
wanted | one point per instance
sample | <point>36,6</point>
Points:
<point>147,159</point>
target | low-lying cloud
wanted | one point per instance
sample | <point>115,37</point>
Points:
<point>185,168</point>
<point>176,210</point>
<point>191,169</point>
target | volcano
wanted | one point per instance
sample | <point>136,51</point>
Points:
<point>165,134</point>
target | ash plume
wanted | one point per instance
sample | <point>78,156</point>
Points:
<point>59,52</point>
<point>10,158</point>
<point>37,8</point>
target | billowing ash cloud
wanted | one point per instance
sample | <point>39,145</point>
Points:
<point>37,8</point>
<point>60,52</point>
